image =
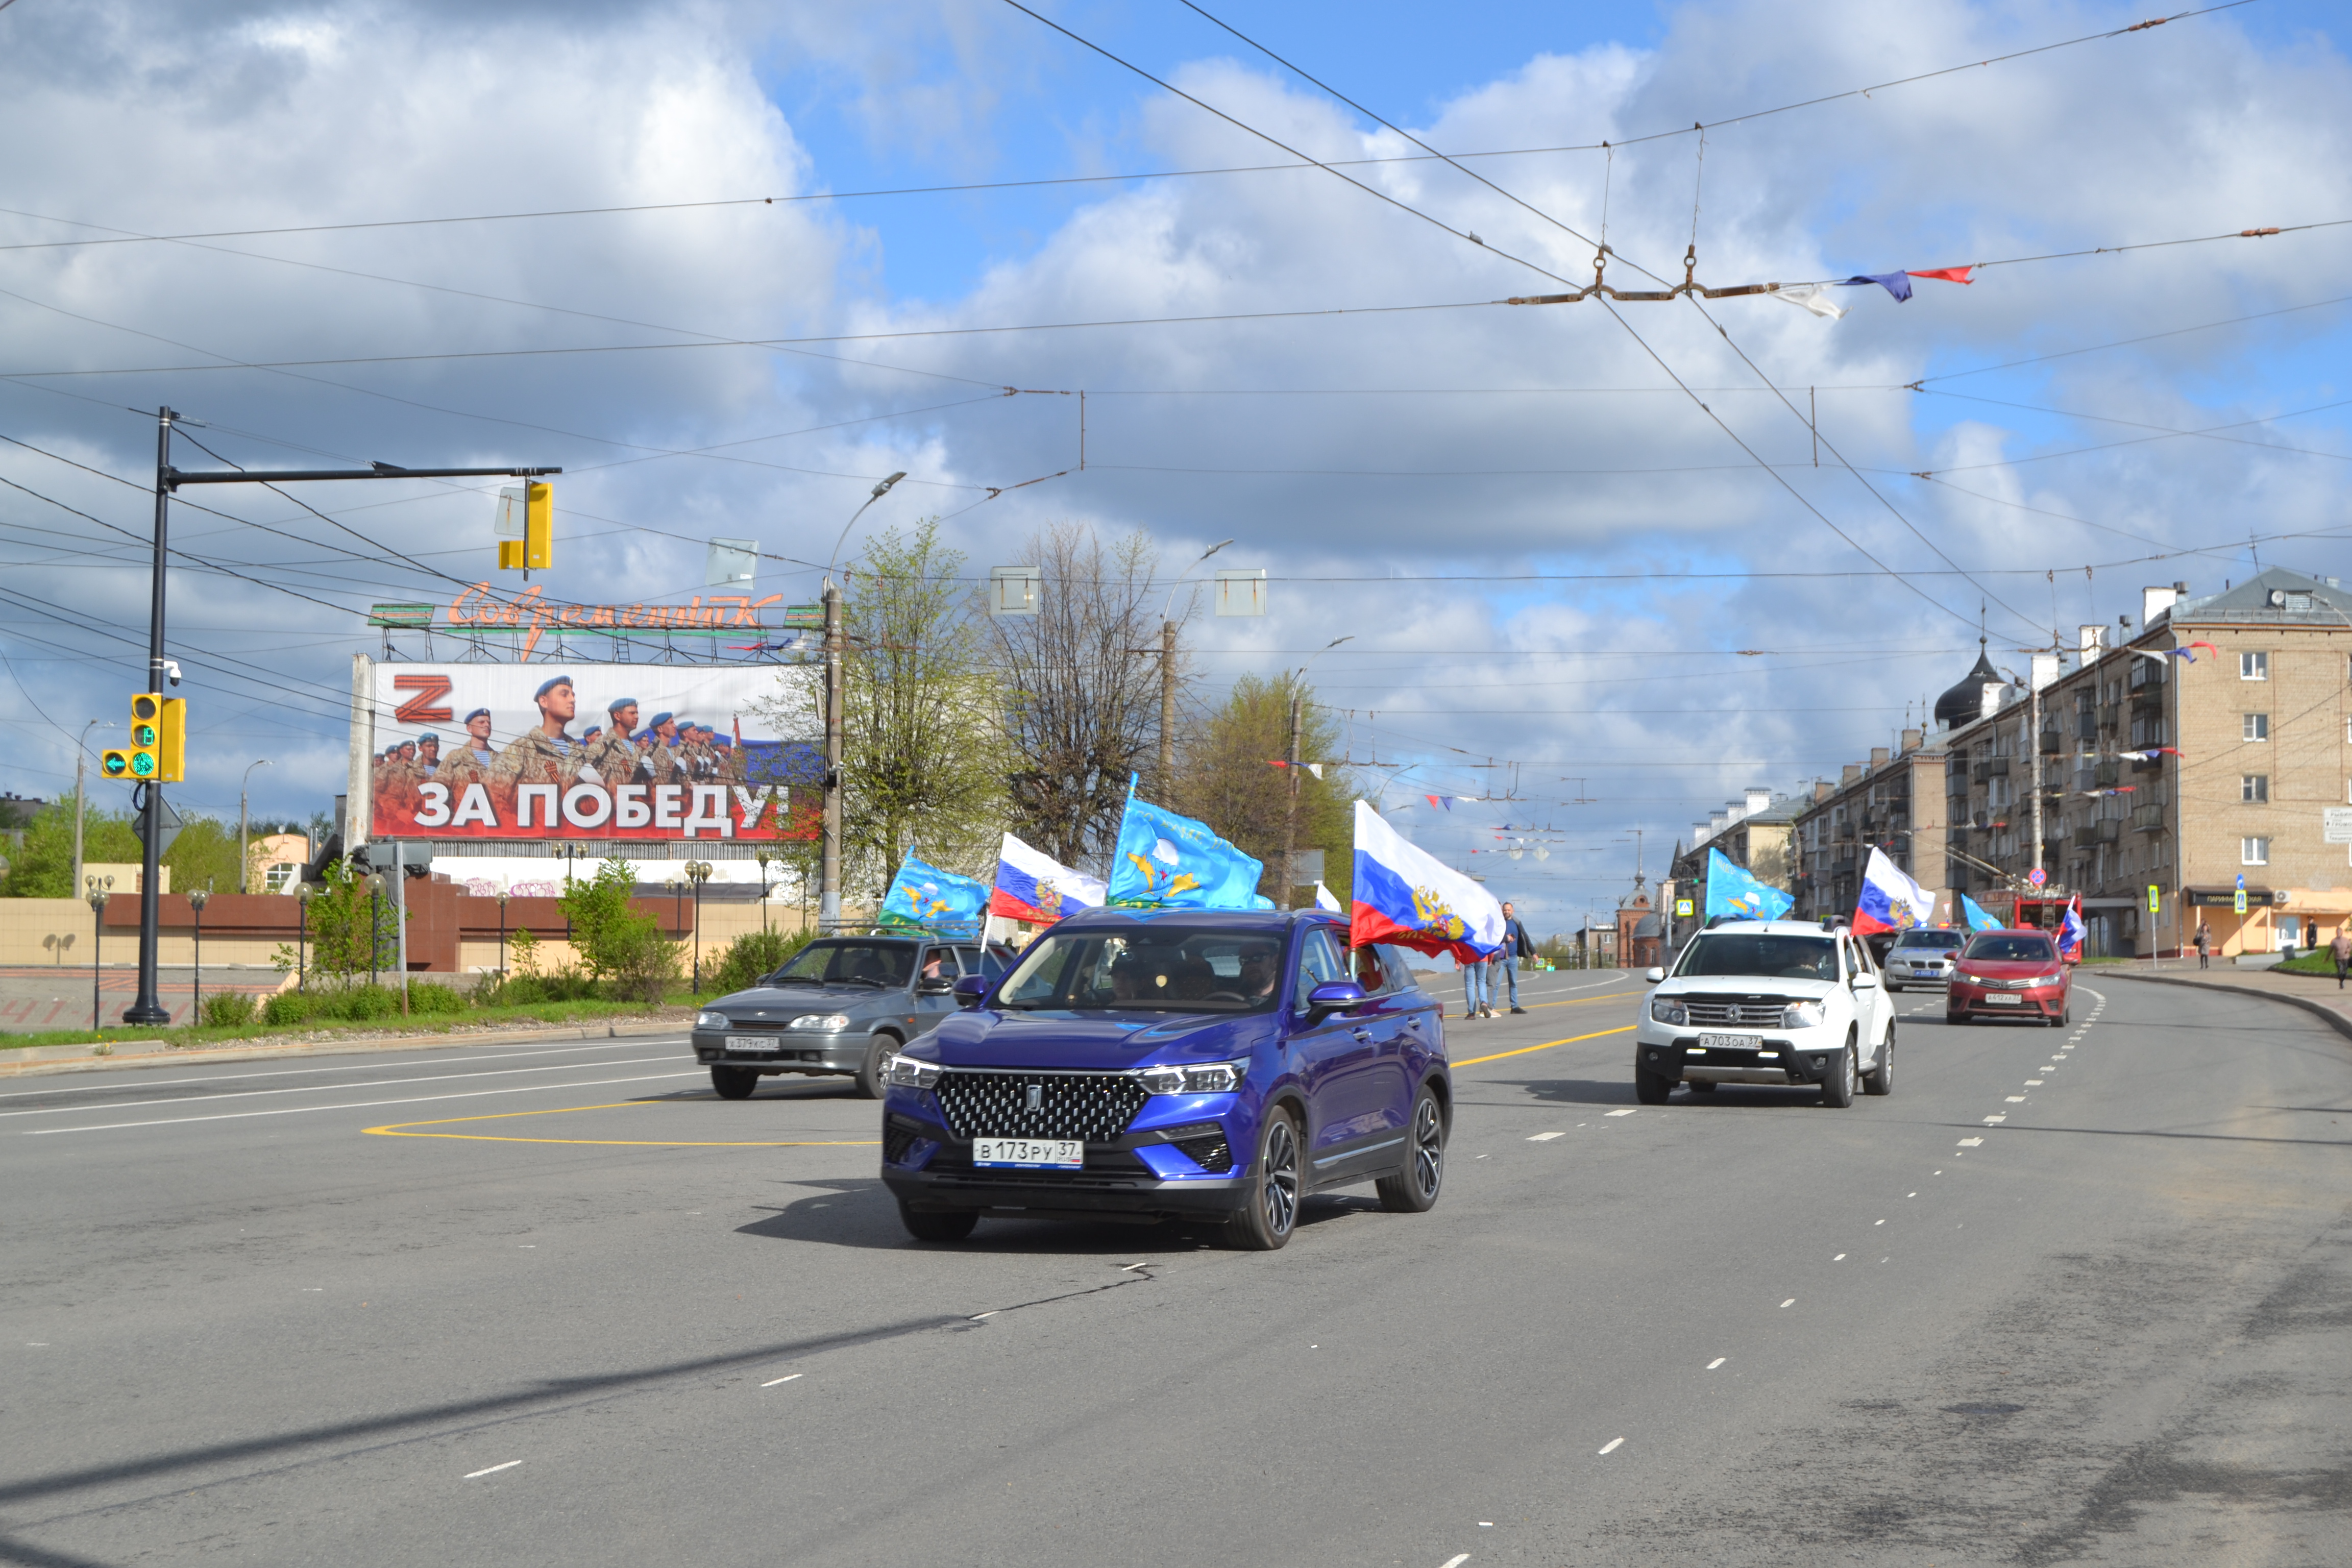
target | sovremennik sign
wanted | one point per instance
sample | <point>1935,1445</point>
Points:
<point>578,751</point>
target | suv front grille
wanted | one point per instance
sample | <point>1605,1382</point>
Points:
<point>1757,1013</point>
<point>1210,1151</point>
<point>1094,1106</point>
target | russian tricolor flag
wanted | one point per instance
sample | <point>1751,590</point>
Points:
<point>1405,895</point>
<point>1039,889</point>
<point>1890,900</point>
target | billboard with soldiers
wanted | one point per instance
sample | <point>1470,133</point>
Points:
<point>586,750</point>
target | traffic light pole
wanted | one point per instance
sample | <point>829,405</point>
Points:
<point>147,1007</point>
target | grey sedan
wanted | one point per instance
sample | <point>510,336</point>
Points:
<point>843,1005</point>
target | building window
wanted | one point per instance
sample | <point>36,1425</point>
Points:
<point>2253,667</point>
<point>2255,789</point>
<point>2253,851</point>
<point>2257,727</point>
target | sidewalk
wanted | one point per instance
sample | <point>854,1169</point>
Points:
<point>2314,994</point>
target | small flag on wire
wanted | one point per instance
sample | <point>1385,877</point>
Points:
<point>1895,283</point>
<point>1948,274</point>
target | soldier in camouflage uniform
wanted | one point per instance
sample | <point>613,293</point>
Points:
<point>701,758</point>
<point>473,763</point>
<point>665,764</point>
<point>615,753</point>
<point>428,757</point>
<point>548,754</point>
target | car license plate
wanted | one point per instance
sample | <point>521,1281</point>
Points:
<point>1729,1042</point>
<point>1029,1153</point>
<point>1999,1000</point>
<point>1925,969</point>
<point>751,1045</point>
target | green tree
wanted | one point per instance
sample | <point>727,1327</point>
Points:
<point>1224,779</point>
<point>206,850</point>
<point>923,750</point>
<point>352,931</point>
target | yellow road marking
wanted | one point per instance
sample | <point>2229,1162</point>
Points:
<point>401,1129</point>
<point>1524,1051</point>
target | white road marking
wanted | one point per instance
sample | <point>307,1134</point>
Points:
<point>1786,1304</point>
<point>1611,1446</point>
<point>1546,1137</point>
<point>1839,1259</point>
<point>2033,1083</point>
<point>1910,1195</point>
<point>1716,1362</point>
<point>355,1105</point>
<point>494,1469</point>
<point>991,1312</point>
<point>2017,1100</point>
<point>1132,1268</point>
<point>1878,1222</point>
<point>323,1089</point>
<point>1455,1561</point>
<point>1996,1121</point>
<point>1627,1111</point>
<point>787,1378</point>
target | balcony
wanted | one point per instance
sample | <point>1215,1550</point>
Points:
<point>2086,725</point>
<point>2051,743</point>
<point>1993,768</point>
<point>2107,775</point>
<point>2147,818</point>
<point>2106,830</point>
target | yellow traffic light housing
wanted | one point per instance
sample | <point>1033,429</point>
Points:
<point>171,740</point>
<point>142,759</point>
<point>526,524</point>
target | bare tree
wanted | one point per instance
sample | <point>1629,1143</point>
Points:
<point>1081,684</point>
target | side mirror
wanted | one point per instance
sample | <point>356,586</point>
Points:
<point>970,990</point>
<point>934,986</point>
<point>1655,975</point>
<point>1334,997</point>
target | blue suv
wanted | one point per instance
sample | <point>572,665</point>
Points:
<point>1172,1065</point>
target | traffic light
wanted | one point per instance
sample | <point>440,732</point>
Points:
<point>139,761</point>
<point>526,526</point>
<point>171,740</point>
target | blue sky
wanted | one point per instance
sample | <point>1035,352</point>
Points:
<point>1541,510</point>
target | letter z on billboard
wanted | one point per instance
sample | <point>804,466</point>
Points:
<point>588,750</point>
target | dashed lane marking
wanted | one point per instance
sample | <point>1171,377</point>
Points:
<point>1546,1137</point>
<point>1611,1446</point>
<point>355,1105</point>
<point>1790,1303</point>
<point>494,1469</point>
<point>1716,1362</point>
<point>787,1378</point>
<point>1967,1143</point>
<point>1455,1561</point>
<point>1627,1111</point>
<point>1996,1121</point>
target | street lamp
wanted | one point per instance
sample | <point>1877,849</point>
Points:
<point>375,926</point>
<point>828,907</point>
<point>763,857</point>
<point>502,935</point>
<point>1168,673</point>
<point>95,889</point>
<point>197,899</point>
<point>1290,814</point>
<point>698,872</point>
<point>244,854</point>
<point>303,893</point>
<point>82,756</point>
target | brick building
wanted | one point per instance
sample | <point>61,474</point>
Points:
<point>1893,802</point>
<point>1753,833</point>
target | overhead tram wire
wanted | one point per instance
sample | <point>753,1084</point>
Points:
<point>124,237</point>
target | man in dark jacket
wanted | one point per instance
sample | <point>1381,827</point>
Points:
<point>1516,946</point>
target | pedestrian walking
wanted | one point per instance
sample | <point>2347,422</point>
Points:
<point>1474,988</point>
<point>2340,950</point>
<point>2204,944</point>
<point>1516,946</point>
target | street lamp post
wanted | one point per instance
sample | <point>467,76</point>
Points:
<point>828,898</point>
<point>698,872</point>
<point>376,927</point>
<point>1168,674</point>
<point>245,853</point>
<point>95,890</point>
<point>81,757</point>
<point>762,858</point>
<point>1290,812</point>
<point>303,893</point>
<point>197,899</point>
<point>503,937</point>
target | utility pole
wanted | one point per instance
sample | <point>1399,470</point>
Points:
<point>1290,816</point>
<point>2035,724</point>
<point>81,759</point>
<point>828,897</point>
<point>1167,781</point>
<point>245,851</point>
<point>146,1008</point>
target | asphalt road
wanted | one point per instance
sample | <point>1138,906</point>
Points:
<point>2073,1297</point>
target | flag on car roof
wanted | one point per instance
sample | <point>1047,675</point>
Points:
<point>1166,861</point>
<point>1034,887</point>
<point>923,895</point>
<point>1407,896</point>
<point>1890,900</point>
<point>1972,913</point>
<point>1732,890</point>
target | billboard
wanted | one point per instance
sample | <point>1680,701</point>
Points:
<point>584,751</point>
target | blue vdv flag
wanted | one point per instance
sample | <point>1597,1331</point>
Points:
<point>1732,890</point>
<point>923,895</point>
<point>1976,917</point>
<point>1171,862</point>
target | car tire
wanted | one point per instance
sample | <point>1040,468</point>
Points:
<point>1880,1079</point>
<point>873,1079</point>
<point>1696,1087</point>
<point>2063,1013</point>
<point>1837,1089</point>
<point>1897,989</point>
<point>1413,1190</point>
<point>1951,1017</point>
<point>1652,1088</point>
<point>1267,1221</point>
<point>953,1224</point>
<point>734,1083</point>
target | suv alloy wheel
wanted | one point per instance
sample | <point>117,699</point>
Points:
<point>1273,1210</point>
<point>1837,1089</point>
<point>1413,1190</point>
<point>874,1077</point>
<point>1880,1079</point>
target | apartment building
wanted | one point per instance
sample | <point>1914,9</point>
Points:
<point>1893,802</point>
<point>1753,833</point>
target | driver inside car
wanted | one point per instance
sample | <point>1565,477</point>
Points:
<point>1259,972</point>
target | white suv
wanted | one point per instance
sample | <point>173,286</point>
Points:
<point>1778,1002</point>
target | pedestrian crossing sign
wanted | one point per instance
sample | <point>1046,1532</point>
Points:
<point>2240,898</point>
<point>2155,899</point>
<point>1683,909</point>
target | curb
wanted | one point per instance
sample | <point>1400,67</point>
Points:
<point>2335,1020</point>
<point>28,1065</point>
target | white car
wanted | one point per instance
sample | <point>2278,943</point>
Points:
<point>1924,955</point>
<point>1777,1001</point>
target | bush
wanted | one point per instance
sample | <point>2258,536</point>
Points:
<point>753,955</point>
<point>360,1003</point>
<point>528,990</point>
<point>644,963</point>
<point>431,997</point>
<point>227,1010</point>
<point>290,1007</point>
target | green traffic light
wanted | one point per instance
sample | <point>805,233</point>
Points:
<point>143,763</point>
<point>115,764</point>
<point>142,734</point>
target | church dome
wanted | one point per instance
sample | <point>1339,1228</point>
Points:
<point>1965,702</point>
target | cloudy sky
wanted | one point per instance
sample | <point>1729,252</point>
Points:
<point>1589,544</point>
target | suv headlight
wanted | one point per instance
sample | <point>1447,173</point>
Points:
<point>1217,1078</point>
<point>1803,1015</point>
<point>712,1021</point>
<point>912,1072</point>
<point>1668,1010</point>
<point>821,1023</point>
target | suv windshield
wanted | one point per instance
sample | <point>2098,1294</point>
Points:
<point>1780,956</point>
<point>1929,939</point>
<point>835,962</point>
<point>2012,950</point>
<point>1149,969</point>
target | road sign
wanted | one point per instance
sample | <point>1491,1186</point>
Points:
<point>1683,908</point>
<point>2240,904</point>
<point>171,821</point>
<point>2155,899</point>
<point>2242,885</point>
<point>2037,876</point>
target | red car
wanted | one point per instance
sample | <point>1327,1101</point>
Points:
<point>2010,974</point>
